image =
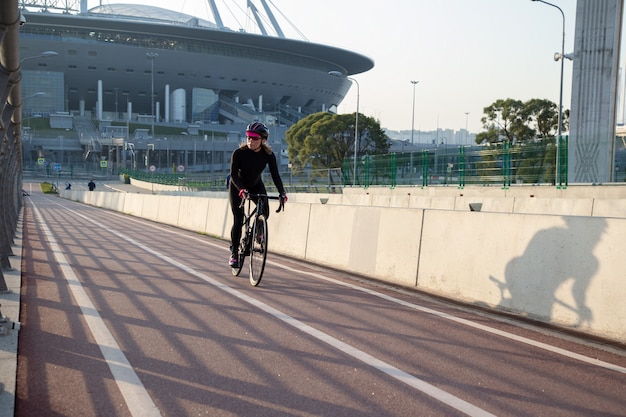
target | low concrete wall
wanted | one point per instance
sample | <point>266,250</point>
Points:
<point>562,269</point>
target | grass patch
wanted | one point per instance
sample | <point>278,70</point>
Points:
<point>48,188</point>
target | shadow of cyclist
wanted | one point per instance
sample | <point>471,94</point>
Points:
<point>552,258</point>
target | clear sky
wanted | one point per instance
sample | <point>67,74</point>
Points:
<point>465,53</point>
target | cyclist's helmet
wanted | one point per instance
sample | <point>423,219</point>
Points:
<point>259,129</point>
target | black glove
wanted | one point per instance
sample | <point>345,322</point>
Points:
<point>282,199</point>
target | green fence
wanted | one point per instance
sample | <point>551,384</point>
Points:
<point>500,164</point>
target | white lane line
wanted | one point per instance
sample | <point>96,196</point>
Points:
<point>517,338</point>
<point>508,335</point>
<point>426,388</point>
<point>137,398</point>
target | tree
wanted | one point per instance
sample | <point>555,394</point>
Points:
<point>530,128</point>
<point>518,121</point>
<point>324,140</point>
<point>543,116</point>
<point>505,119</point>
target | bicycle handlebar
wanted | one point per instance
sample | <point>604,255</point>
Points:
<point>281,204</point>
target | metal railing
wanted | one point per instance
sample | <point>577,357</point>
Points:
<point>10,128</point>
<point>500,164</point>
<point>496,164</point>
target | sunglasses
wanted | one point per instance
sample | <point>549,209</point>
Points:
<point>253,138</point>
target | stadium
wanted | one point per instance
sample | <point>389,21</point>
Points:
<point>103,71</point>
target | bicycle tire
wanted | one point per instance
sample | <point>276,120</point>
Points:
<point>258,250</point>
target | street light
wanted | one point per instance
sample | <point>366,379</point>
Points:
<point>413,114</point>
<point>356,122</point>
<point>466,131</point>
<point>560,126</point>
<point>151,56</point>
<point>37,94</point>
<point>44,54</point>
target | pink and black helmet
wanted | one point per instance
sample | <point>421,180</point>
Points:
<point>257,128</point>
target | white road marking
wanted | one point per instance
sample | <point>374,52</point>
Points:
<point>508,335</point>
<point>380,365</point>
<point>137,398</point>
<point>428,389</point>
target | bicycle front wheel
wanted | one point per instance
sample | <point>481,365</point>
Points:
<point>258,250</point>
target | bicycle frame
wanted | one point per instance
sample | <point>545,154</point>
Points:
<point>254,237</point>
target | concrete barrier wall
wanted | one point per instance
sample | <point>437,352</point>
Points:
<point>609,207</point>
<point>219,218</point>
<point>289,231</point>
<point>566,270</point>
<point>563,270</point>
<point>193,213</point>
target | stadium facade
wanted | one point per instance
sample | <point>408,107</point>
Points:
<point>145,63</point>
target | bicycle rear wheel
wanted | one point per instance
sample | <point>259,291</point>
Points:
<point>258,250</point>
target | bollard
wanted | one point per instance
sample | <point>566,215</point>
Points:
<point>4,289</point>
<point>5,263</point>
<point>6,325</point>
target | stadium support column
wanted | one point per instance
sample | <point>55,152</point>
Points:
<point>167,103</point>
<point>99,100</point>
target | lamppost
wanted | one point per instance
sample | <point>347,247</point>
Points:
<point>466,131</point>
<point>44,54</point>
<point>151,56</point>
<point>558,56</point>
<point>413,113</point>
<point>26,129</point>
<point>412,129</point>
<point>356,122</point>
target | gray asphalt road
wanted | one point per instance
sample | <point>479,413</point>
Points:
<point>125,317</point>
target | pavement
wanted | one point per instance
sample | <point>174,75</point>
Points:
<point>10,312</point>
<point>9,324</point>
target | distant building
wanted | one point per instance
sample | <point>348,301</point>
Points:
<point>109,57</point>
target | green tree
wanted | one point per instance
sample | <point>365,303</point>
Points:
<point>530,128</point>
<point>543,116</point>
<point>505,120</point>
<point>324,140</point>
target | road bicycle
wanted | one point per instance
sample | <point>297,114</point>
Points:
<point>254,235</point>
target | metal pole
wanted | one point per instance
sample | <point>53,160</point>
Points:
<point>412,130</point>
<point>466,131</point>
<point>152,55</point>
<point>356,128</point>
<point>356,122</point>
<point>413,114</point>
<point>560,126</point>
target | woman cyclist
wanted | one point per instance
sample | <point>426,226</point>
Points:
<point>246,166</point>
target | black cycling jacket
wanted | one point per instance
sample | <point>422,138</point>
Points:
<point>246,167</point>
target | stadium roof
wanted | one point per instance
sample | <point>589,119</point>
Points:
<point>149,13</point>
